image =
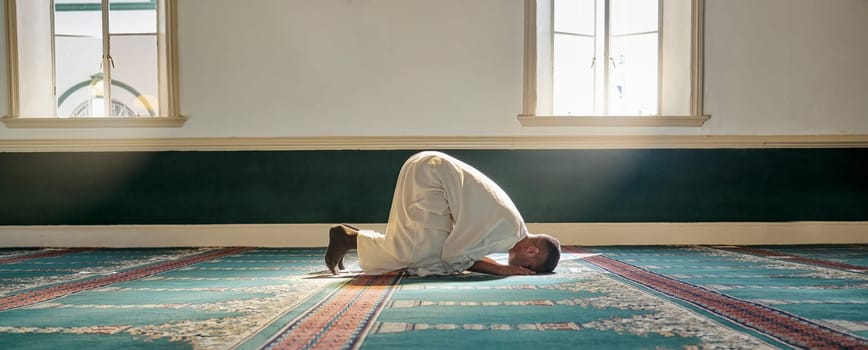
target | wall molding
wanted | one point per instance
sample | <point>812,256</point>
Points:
<point>314,235</point>
<point>432,142</point>
<point>609,120</point>
<point>85,122</point>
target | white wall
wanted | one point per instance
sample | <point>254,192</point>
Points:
<point>787,66</point>
<point>453,67</point>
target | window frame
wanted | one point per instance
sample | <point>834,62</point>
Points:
<point>170,115</point>
<point>695,118</point>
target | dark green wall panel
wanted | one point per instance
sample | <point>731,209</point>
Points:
<point>356,186</point>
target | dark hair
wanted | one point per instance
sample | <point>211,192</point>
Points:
<point>552,247</point>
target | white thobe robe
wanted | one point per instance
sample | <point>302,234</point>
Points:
<point>445,216</point>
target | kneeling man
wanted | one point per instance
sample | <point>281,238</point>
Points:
<point>446,217</point>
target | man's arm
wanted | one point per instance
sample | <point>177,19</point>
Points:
<point>492,267</point>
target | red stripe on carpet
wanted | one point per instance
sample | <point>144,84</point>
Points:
<point>795,258</point>
<point>45,254</point>
<point>56,291</point>
<point>785,327</point>
<point>341,321</point>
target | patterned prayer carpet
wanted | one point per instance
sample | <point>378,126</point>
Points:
<point>697,297</point>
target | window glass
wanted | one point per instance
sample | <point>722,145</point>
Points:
<point>633,16</point>
<point>77,72</point>
<point>573,75</point>
<point>633,75</point>
<point>81,20</point>
<point>130,16</point>
<point>78,56</point>
<point>134,75</point>
<point>574,16</point>
<point>605,57</point>
<point>132,33</point>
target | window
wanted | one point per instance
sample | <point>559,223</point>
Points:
<point>613,62</point>
<point>92,63</point>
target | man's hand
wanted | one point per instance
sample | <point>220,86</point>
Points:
<point>509,270</point>
<point>492,267</point>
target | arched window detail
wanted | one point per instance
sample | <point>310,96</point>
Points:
<point>90,89</point>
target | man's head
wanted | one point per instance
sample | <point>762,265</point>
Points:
<point>538,252</point>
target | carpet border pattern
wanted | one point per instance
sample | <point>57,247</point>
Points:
<point>342,319</point>
<point>43,254</point>
<point>39,295</point>
<point>783,326</point>
<point>795,258</point>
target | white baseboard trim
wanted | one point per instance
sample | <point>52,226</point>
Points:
<point>314,235</point>
<point>729,233</point>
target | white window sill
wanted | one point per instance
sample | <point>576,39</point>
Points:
<point>642,121</point>
<point>129,122</point>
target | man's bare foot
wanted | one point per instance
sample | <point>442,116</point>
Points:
<point>350,229</point>
<point>342,238</point>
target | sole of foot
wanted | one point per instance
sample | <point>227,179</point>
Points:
<point>340,241</point>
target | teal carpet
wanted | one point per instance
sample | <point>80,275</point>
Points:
<point>698,297</point>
